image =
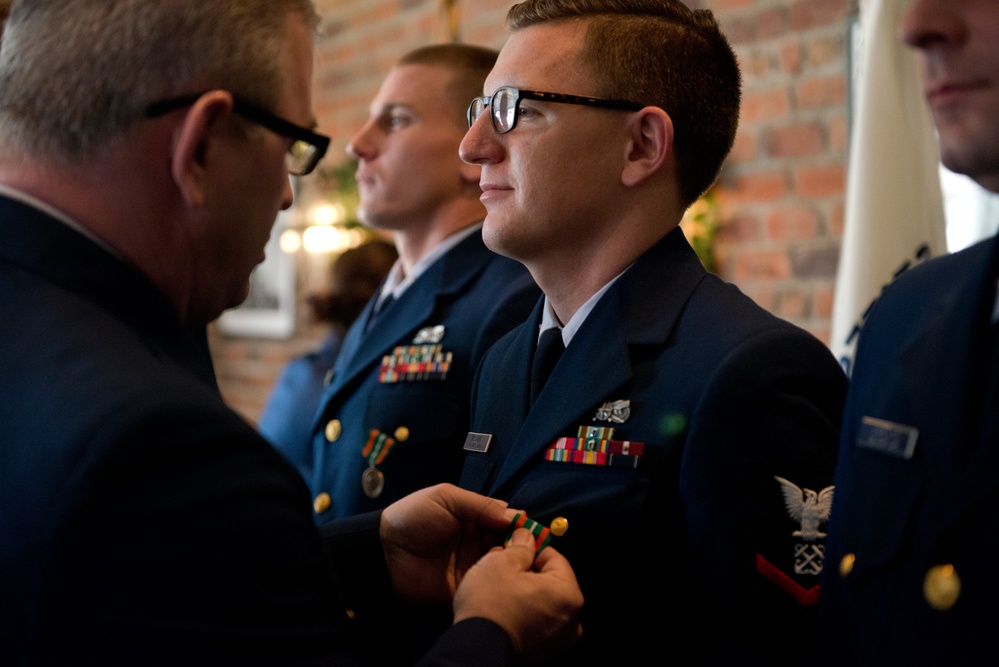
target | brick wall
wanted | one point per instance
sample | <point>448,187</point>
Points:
<point>782,190</point>
<point>781,193</point>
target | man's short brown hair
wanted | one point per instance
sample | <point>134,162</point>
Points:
<point>470,64</point>
<point>659,53</point>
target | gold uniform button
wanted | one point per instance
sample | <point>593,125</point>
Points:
<point>846,565</point>
<point>942,587</point>
<point>333,429</point>
<point>559,525</point>
<point>402,434</point>
<point>321,503</point>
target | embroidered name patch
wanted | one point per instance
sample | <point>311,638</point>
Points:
<point>409,363</point>
<point>887,437</point>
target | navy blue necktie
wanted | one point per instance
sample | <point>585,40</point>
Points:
<point>546,356</point>
<point>380,308</point>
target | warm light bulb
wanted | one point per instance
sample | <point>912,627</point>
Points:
<point>326,214</point>
<point>324,238</point>
<point>290,241</point>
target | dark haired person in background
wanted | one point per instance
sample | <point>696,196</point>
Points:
<point>355,276</point>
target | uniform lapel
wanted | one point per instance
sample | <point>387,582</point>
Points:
<point>956,338</point>
<point>585,374</point>
<point>352,340</point>
<point>395,325</point>
<point>641,308</point>
<point>403,317</point>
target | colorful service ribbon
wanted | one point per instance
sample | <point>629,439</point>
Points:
<point>377,448</point>
<point>542,535</point>
<point>594,445</point>
<point>415,362</point>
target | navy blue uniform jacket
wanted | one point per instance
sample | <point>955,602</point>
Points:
<point>471,296</point>
<point>691,552</point>
<point>142,522</point>
<point>905,507</point>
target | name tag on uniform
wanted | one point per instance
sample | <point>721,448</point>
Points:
<point>887,437</point>
<point>477,442</point>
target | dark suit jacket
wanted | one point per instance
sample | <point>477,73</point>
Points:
<point>142,521</point>
<point>923,369</point>
<point>724,397</point>
<point>475,296</point>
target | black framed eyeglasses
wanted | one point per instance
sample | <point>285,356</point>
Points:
<point>504,105</point>
<point>305,151</point>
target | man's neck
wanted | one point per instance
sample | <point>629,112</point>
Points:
<point>615,236</point>
<point>568,292</point>
<point>570,278</point>
<point>81,193</point>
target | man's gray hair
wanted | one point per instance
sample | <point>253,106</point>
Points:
<point>75,74</point>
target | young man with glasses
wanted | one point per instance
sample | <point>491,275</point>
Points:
<point>383,429</point>
<point>145,150</point>
<point>699,428</point>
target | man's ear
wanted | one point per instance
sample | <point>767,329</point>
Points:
<point>194,142</point>
<point>650,143</point>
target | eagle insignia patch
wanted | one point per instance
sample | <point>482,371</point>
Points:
<point>787,526</point>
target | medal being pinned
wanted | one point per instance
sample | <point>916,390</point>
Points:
<point>542,535</point>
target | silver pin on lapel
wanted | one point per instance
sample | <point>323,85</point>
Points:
<point>429,335</point>
<point>616,412</point>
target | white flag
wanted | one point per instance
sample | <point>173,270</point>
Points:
<point>894,207</point>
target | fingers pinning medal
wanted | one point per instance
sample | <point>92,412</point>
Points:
<point>542,534</point>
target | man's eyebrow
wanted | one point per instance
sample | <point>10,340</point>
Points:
<point>389,107</point>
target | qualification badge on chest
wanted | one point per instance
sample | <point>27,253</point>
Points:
<point>616,412</point>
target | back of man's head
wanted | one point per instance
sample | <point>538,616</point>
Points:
<point>76,74</point>
<point>659,53</point>
<point>470,64</point>
<point>4,10</point>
